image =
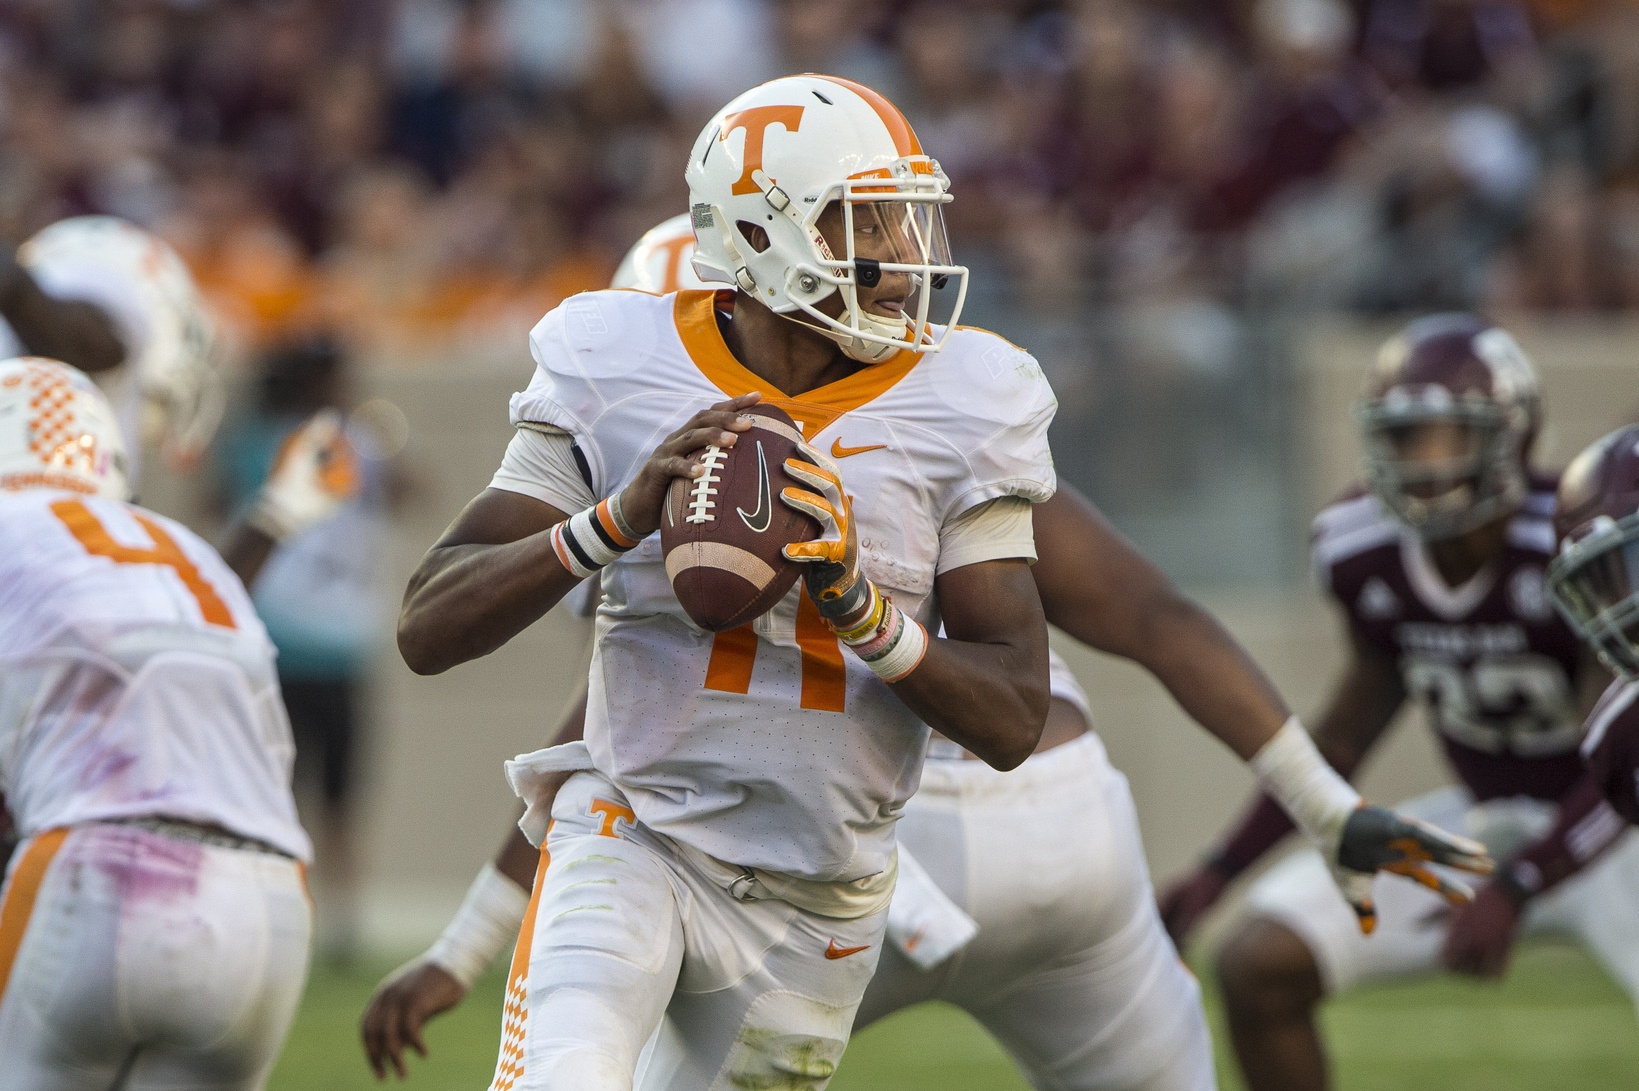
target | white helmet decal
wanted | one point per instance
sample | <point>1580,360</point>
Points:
<point>57,431</point>
<point>772,161</point>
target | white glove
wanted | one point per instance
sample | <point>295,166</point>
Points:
<point>315,472</point>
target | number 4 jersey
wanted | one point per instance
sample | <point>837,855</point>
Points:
<point>1491,658</point>
<point>135,677</point>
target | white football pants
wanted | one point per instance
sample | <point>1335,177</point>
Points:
<point>1598,906</point>
<point>1071,969</point>
<point>622,931</point>
<point>134,960</point>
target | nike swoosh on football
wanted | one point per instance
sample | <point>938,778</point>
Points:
<point>759,519</point>
<point>833,951</point>
<point>839,451</point>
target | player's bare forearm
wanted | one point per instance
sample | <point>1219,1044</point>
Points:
<point>492,575</point>
<point>985,686</point>
<point>1095,586</point>
<point>246,549</point>
<point>74,331</point>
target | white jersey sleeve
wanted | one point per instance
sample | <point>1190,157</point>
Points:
<point>998,529</point>
<point>1005,402</point>
<point>540,462</point>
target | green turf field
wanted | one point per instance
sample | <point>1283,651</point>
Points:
<point>1556,1023</point>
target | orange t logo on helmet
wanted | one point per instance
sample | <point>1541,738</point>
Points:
<point>755,121</point>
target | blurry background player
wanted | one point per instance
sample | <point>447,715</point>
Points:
<point>99,293</point>
<point>1054,944</point>
<point>1440,571</point>
<point>1595,584</point>
<point>320,598</point>
<point>154,921</point>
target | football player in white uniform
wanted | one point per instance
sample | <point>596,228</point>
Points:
<point>1068,964</point>
<point>98,292</point>
<point>154,920</point>
<point>736,1013</point>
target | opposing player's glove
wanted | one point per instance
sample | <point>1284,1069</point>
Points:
<point>886,639</point>
<point>315,472</point>
<point>1375,839</point>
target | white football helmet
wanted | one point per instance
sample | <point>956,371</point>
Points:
<point>775,158</point>
<point>57,431</point>
<point>147,290</point>
<point>662,262</point>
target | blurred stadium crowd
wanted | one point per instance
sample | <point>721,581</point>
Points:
<point>423,176</point>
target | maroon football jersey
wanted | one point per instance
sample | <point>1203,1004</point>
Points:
<point>1491,659</point>
<point>1612,747</point>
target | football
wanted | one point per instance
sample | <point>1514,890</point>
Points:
<point>723,533</point>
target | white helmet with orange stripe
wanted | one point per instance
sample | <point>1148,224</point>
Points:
<point>780,157</point>
<point>662,261</point>
<point>57,431</point>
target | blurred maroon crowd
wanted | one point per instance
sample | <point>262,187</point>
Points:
<point>426,177</point>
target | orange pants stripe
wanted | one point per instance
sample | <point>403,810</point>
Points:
<point>509,1068</point>
<point>17,901</point>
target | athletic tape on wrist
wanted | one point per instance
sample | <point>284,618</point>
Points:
<point>1293,771</point>
<point>894,646</point>
<point>588,540</point>
<point>489,919</point>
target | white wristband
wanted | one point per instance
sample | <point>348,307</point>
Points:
<point>489,919</point>
<point>1318,799</point>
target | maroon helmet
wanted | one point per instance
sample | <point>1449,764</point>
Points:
<point>1595,579</point>
<point>1460,370</point>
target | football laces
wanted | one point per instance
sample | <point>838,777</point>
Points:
<point>700,503</point>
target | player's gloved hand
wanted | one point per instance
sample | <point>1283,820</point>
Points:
<point>1374,839</point>
<point>643,500</point>
<point>832,574</point>
<point>1481,938</point>
<point>1189,899</point>
<point>315,472</point>
<point>401,1006</point>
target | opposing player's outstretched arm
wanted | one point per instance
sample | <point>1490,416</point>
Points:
<point>1095,586</point>
<point>984,684</point>
<point>74,331</point>
<point>508,558</point>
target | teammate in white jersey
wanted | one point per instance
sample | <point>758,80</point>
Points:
<point>1071,968</point>
<point>154,920</point>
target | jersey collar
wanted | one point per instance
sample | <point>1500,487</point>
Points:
<point>1451,603</point>
<point>695,315</point>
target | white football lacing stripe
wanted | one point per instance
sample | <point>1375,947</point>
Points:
<point>700,496</point>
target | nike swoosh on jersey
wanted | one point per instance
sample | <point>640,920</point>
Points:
<point>839,451</point>
<point>759,519</point>
<point>833,951</point>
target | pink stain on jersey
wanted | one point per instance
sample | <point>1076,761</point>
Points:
<point>145,866</point>
<point>104,764</point>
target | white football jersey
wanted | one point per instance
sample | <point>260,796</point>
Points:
<point>135,676</point>
<point>768,746</point>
